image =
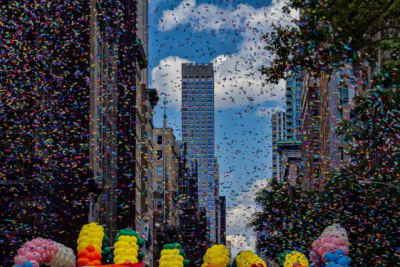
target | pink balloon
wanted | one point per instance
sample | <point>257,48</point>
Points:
<point>29,245</point>
<point>22,251</point>
<point>33,256</point>
<point>38,241</point>
<point>19,260</point>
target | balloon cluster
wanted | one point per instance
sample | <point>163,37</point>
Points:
<point>332,239</point>
<point>172,255</point>
<point>40,250</point>
<point>90,244</point>
<point>216,256</point>
<point>248,259</point>
<point>337,259</point>
<point>126,247</point>
<point>295,259</point>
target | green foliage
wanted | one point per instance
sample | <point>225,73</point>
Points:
<point>330,34</point>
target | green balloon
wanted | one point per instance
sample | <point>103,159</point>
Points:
<point>186,262</point>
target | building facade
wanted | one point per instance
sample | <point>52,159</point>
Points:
<point>326,101</point>
<point>165,173</point>
<point>84,66</point>
<point>222,220</point>
<point>289,148</point>
<point>146,99</point>
<point>278,133</point>
<point>198,131</point>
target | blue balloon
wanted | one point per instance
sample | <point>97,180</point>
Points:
<point>328,256</point>
<point>344,261</point>
<point>27,264</point>
<point>340,252</point>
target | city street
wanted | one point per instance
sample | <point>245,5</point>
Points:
<point>198,133</point>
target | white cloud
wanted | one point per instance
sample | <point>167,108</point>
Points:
<point>240,242</point>
<point>238,80</point>
<point>166,78</point>
<point>241,236</point>
<point>171,18</point>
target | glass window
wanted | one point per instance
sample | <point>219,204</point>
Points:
<point>159,170</point>
<point>159,154</point>
<point>160,188</point>
<point>159,204</point>
<point>159,139</point>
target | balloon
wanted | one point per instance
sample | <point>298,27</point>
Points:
<point>172,255</point>
<point>40,250</point>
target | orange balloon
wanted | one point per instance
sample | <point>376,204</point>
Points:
<point>97,255</point>
<point>83,261</point>
<point>91,256</point>
<point>90,248</point>
<point>83,253</point>
<point>95,263</point>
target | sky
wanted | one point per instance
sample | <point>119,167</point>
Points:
<point>229,35</point>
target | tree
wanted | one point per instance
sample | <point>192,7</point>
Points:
<point>332,33</point>
<point>284,219</point>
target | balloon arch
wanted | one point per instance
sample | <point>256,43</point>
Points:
<point>329,250</point>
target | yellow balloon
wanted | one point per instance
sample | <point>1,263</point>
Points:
<point>127,238</point>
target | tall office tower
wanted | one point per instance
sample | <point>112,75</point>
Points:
<point>198,132</point>
<point>278,133</point>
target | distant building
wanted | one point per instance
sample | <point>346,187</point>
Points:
<point>222,220</point>
<point>289,148</point>
<point>166,171</point>
<point>278,133</point>
<point>326,100</point>
<point>198,131</point>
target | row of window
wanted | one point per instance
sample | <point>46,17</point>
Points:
<point>198,87</point>
<point>197,80</point>
<point>198,97</point>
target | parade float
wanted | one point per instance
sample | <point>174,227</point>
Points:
<point>331,248</point>
<point>248,258</point>
<point>292,259</point>
<point>44,251</point>
<point>216,256</point>
<point>172,255</point>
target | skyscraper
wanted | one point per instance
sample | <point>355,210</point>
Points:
<point>198,132</point>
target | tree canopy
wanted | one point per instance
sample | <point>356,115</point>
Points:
<point>332,33</point>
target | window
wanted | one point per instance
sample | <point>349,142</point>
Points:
<point>159,139</point>
<point>344,96</point>
<point>160,187</point>
<point>340,113</point>
<point>159,204</point>
<point>159,154</point>
<point>159,170</point>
